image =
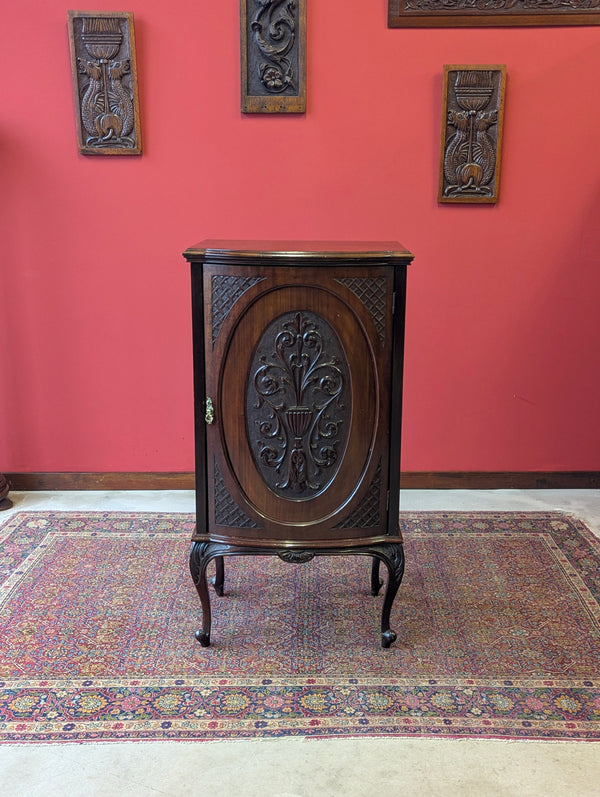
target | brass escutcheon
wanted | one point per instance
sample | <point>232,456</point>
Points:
<point>209,415</point>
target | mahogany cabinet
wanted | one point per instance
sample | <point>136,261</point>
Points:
<point>298,355</point>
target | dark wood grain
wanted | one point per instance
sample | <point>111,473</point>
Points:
<point>272,253</point>
<point>281,292</point>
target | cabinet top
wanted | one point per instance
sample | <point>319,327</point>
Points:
<point>222,250</point>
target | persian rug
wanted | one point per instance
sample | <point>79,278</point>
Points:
<point>498,622</point>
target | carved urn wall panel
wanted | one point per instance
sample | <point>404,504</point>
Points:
<point>298,353</point>
<point>273,56</point>
<point>103,62</point>
<point>472,120</point>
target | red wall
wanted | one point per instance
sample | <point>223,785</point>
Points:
<point>502,366</point>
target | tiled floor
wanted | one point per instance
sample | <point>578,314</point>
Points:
<point>298,767</point>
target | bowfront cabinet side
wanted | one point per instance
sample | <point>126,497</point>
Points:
<point>298,353</point>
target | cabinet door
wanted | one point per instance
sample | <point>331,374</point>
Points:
<point>297,367</point>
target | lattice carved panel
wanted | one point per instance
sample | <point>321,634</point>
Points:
<point>368,513</point>
<point>372,291</point>
<point>225,291</point>
<point>227,512</point>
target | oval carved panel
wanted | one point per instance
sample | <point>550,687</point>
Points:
<point>298,405</point>
<point>298,409</point>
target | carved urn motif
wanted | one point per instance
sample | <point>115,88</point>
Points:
<point>107,106</point>
<point>297,404</point>
<point>470,157</point>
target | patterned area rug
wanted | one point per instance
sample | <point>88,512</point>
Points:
<point>498,622</point>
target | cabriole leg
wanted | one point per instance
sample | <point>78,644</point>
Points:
<point>392,554</point>
<point>200,556</point>
<point>219,576</point>
<point>376,581</point>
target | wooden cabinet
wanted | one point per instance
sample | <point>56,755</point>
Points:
<point>298,351</point>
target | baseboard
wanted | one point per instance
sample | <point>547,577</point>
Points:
<point>100,481</point>
<point>501,480</point>
<point>409,480</point>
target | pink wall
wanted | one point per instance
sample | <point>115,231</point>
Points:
<point>503,323</point>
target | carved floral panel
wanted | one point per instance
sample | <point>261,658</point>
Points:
<point>103,62</point>
<point>472,118</point>
<point>273,44</point>
<point>298,406</point>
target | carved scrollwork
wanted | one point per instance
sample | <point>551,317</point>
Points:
<point>395,561</point>
<point>297,404</point>
<point>274,34</point>
<point>273,39</point>
<point>500,13</point>
<point>296,557</point>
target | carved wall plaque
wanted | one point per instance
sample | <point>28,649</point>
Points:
<point>273,44</point>
<point>491,13</point>
<point>103,63</point>
<point>472,116</point>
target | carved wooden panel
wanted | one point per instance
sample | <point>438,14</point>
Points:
<point>372,291</point>
<point>273,57</point>
<point>472,117</point>
<point>301,406</point>
<point>368,513</point>
<point>298,405</point>
<point>227,512</point>
<point>225,291</point>
<point>103,62</point>
<point>491,13</point>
